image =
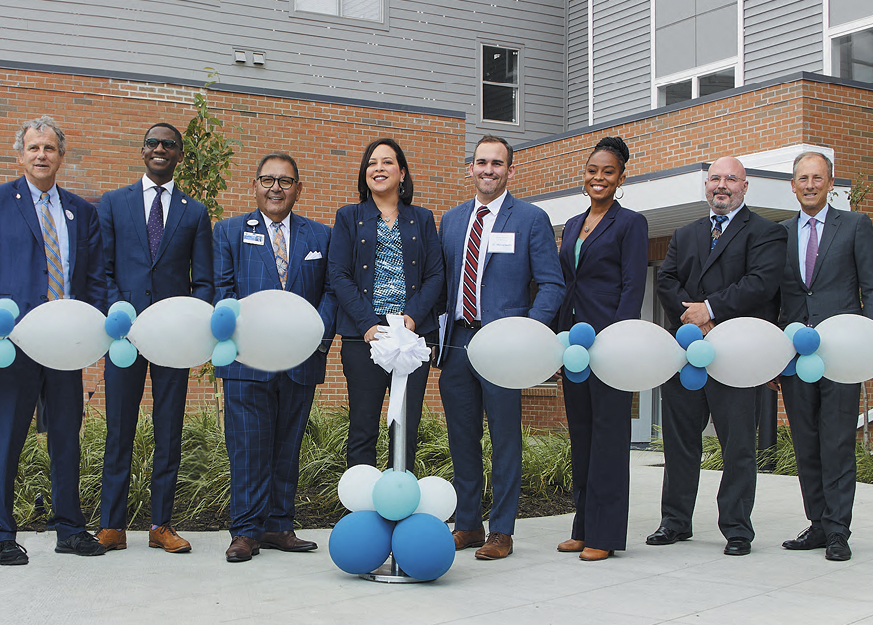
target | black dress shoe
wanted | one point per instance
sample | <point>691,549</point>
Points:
<point>666,536</point>
<point>810,538</point>
<point>738,547</point>
<point>838,548</point>
<point>12,553</point>
<point>82,544</point>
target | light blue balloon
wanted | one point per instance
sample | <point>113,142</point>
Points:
<point>231,303</point>
<point>8,304</point>
<point>396,495</point>
<point>576,358</point>
<point>700,353</point>
<point>360,542</point>
<point>810,368</point>
<point>224,353</point>
<point>7,353</point>
<point>123,306</point>
<point>122,353</point>
<point>423,546</point>
<point>791,328</point>
<point>564,337</point>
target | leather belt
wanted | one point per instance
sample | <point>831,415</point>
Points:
<point>469,325</point>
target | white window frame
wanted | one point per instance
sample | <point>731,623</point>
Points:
<point>341,19</point>
<point>519,109</point>
<point>831,33</point>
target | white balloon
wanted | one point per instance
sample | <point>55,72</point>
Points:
<point>175,332</point>
<point>846,348</point>
<point>748,352</point>
<point>635,355</point>
<point>438,497</point>
<point>515,352</point>
<point>355,488</point>
<point>64,334</point>
<point>276,330</point>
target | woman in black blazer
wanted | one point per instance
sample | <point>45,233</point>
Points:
<point>384,258</point>
<point>604,254</point>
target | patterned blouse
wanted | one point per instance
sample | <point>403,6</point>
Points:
<point>389,288</point>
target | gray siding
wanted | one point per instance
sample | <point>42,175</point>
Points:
<point>782,37</point>
<point>425,54</point>
<point>622,58</point>
<point>577,63</point>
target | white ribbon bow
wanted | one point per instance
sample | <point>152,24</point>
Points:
<point>399,351</point>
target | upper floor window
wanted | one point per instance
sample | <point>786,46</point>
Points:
<point>356,9</point>
<point>696,87</point>
<point>852,56</point>
<point>500,84</point>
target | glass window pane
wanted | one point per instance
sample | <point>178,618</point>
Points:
<point>672,94</point>
<point>363,9</point>
<point>328,7</point>
<point>852,56</point>
<point>713,83</point>
<point>498,103</point>
<point>499,65</point>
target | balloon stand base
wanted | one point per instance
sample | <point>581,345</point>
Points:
<point>389,573</point>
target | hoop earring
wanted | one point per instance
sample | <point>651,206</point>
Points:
<point>584,192</point>
<point>618,197</point>
<point>401,189</point>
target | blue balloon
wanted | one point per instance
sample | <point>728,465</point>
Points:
<point>810,368</point>
<point>564,337</point>
<point>791,328</point>
<point>7,353</point>
<point>693,378</point>
<point>791,367</point>
<point>231,303</point>
<point>122,353</point>
<point>700,353</point>
<point>360,542</point>
<point>123,306</point>
<point>8,304</point>
<point>582,334</point>
<point>7,322</point>
<point>223,323</point>
<point>687,334</point>
<point>806,341</point>
<point>396,495</point>
<point>224,353</point>
<point>579,377</point>
<point>423,546</point>
<point>576,358</point>
<point>117,324</point>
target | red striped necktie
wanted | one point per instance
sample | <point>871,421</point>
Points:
<point>471,265</point>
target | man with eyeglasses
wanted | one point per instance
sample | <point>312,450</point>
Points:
<point>158,244</point>
<point>266,412</point>
<point>726,265</point>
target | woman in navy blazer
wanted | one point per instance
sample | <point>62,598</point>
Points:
<point>385,258</point>
<point>604,254</point>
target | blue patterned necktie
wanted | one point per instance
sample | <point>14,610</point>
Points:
<point>280,252</point>
<point>155,224</point>
<point>716,231</point>
<point>54,264</point>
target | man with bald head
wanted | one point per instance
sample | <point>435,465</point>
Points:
<point>726,265</point>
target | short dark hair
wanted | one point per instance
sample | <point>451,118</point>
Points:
<point>615,146</point>
<point>171,127</point>
<point>407,186</point>
<point>493,139</point>
<point>281,156</point>
<point>810,154</point>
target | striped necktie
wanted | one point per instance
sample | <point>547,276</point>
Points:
<point>280,252</point>
<point>52,250</point>
<point>716,230</point>
<point>471,265</point>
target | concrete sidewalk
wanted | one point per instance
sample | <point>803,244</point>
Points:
<point>690,582</point>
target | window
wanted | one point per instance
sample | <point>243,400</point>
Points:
<point>695,87</point>
<point>499,84</point>
<point>852,56</point>
<point>370,10</point>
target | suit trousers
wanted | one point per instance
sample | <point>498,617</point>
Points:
<point>466,396</point>
<point>263,428</point>
<point>367,382</point>
<point>20,386</point>
<point>124,391</point>
<point>599,420</point>
<point>685,415</point>
<point>824,419</point>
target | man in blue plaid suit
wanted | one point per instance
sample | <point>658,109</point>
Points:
<point>266,412</point>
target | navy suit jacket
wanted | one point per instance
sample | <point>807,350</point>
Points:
<point>243,268</point>
<point>183,263</point>
<point>609,282</point>
<point>23,274</point>
<point>506,278</point>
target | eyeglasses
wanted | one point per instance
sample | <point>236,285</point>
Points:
<point>168,144</point>
<point>285,182</point>
<point>714,179</point>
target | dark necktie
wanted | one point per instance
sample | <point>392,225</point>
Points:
<point>155,224</point>
<point>811,251</point>
<point>471,265</point>
<point>716,230</point>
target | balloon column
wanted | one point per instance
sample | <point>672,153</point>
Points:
<point>392,512</point>
<point>8,314</point>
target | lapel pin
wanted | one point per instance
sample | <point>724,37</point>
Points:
<point>17,196</point>
<point>69,214</point>
<point>184,201</point>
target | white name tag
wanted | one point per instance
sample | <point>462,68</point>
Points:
<point>253,238</point>
<point>501,243</point>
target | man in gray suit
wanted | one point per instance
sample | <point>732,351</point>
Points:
<point>829,272</point>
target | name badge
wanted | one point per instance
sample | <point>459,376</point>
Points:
<point>501,243</point>
<point>253,238</point>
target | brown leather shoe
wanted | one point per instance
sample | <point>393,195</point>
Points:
<point>571,545</point>
<point>469,538</point>
<point>589,554</point>
<point>112,539</point>
<point>242,548</point>
<point>286,541</point>
<point>166,538</point>
<point>497,546</point>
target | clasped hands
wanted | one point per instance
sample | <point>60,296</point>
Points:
<point>698,314</point>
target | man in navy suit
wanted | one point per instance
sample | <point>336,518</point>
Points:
<point>158,244</point>
<point>266,412</point>
<point>494,247</point>
<point>49,249</point>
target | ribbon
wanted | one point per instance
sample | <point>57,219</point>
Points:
<point>399,351</point>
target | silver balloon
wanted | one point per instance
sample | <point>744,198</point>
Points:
<point>515,352</point>
<point>748,352</point>
<point>175,332</point>
<point>846,348</point>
